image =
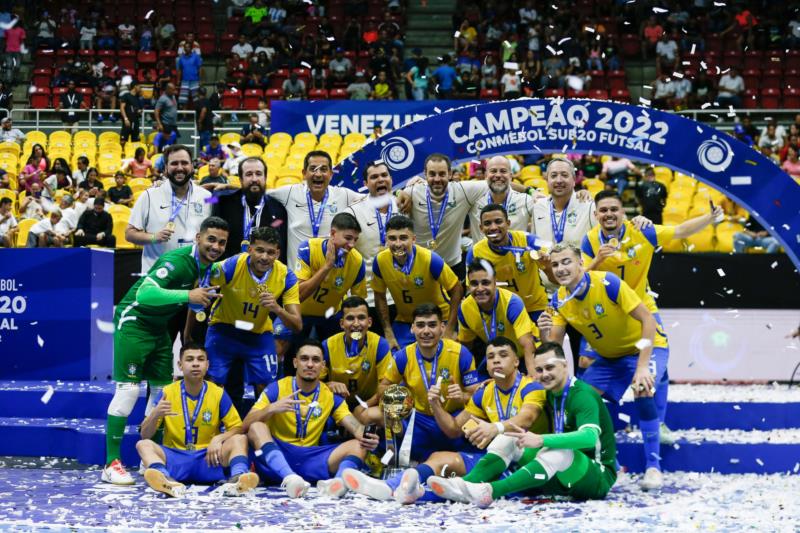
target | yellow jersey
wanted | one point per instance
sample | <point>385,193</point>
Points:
<point>493,404</point>
<point>348,274</point>
<point>452,362</point>
<point>426,280</point>
<point>601,313</point>
<point>198,418</point>
<point>634,257</point>
<point>360,371</point>
<point>239,288</point>
<point>304,425</point>
<point>508,319</point>
<point>514,265</point>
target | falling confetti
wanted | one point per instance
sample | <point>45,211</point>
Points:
<point>39,341</point>
<point>244,325</point>
<point>48,394</point>
<point>721,272</point>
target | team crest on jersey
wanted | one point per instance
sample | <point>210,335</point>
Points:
<point>445,373</point>
<point>501,327</point>
<point>198,208</point>
<point>521,266</point>
<point>632,252</point>
<point>338,282</point>
<point>418,281</point>
<point>512,209</point>
<point>572,218</point>
<point>132,369</point>
<point>162,273</point>
<point>598,309</point>
<point>333,209</point>
<point>207,416</point>
<point>365,366</point>
<point>316,412</point>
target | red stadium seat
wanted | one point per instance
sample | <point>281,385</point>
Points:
<point>64,56</point>
<point>338,94</point>
<point>771,79</point>
<point>621,95</point>
<point>208,43</point>
<point>56,95</point>
<point>752,78</point>
<point>127,60</point>
<point>732,58</point>
<point>86,55</point>
<point>750,99</point>
<point>273,94</point>
<point>792,61</point>
<point>598,79</point>
<point>40,98</point>
<point>791,78</point>
<point>147,58</point>
<point>226,42</point>
<point>276,81</point>
<point>251,98</point>
<point>630,45</point>
<point>791,98</point>
<point>770,98</point>
<point>44,59</point>
<point>203,24</point>
<point>490,94</point>
<point>317,94</point>
<point>598,94</point>
<point>713,42</point>
<point>87,95</point>
<point>168,56</point>
<point>184,24</point>
<point>753,59</point>
<point>231,100</point>
<point>233,25</point>
<point>554,93</point>
<point>616,80</point>
<point>41,77</point>
<point>577,94</point>
<point>773,59</point>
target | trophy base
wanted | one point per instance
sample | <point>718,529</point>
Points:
<point>391,471</point>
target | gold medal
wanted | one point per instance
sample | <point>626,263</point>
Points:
<point>261,289</point>
<point>432,244</point>
<point>191,447</point>
<point>356,335</point>
<point>245,244</point>
<point>613,242</point>
<point>550,310</point>
<point>534,255</point>
<point>170,226</point>
<point>200,316</point>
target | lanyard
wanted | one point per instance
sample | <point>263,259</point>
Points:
<point>491,334</point>
<point>351,348</point>
<point>438,224</point>
<point>189,424</point>
<point>247,221</point>
<point>434,366</point>
<point>205,277</point>
<point>302,426</point>
<point>555,303</point>
<point>516,250</point>
<point>262,279</point>
<point>176,206</point>
<point>72,98</point>
<point>558,225</point>
<point>505,414</point>
<point>558,416</point>
<point>490,200</point>
<point>382,223</point>
<point>316,218</point>
<point>409,264</point>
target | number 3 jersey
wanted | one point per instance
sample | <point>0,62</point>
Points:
<point>240,295</point>
<point>602,315</point>
<point>348,274</point>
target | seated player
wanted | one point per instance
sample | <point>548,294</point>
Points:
<point>287,421</point>
<point>490,311</point>
<point>194,450</point>
<point>356,358</point>
<point>252,285</point>
<point>630,346</point>
<point>413,275</point>
<point>428,362</point>
<point>327,270</point>
<point>507,401</point>
<point>514,255</point>
<point>578,460</point>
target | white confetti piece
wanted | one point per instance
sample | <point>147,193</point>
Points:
<point>693,48</point>
<point>149,14</point>
<point>734,460</point>
<point>759,461</point>
<point>721,272</point>
<point>500,375</point>
<point>737,408</point>
<point>641,344</point>
<point>387,457</point>
<point>676,446</point>
<point>95,305</point>
<point>706,105</point>
<point>539,476</point>
<point>796,468</point>
<point>774,264</point>
<point>652,293</point>
<point>39,341</point>
<point>104,326</point>
<point>258,453</point>
<point>48,394</point>
<point>361,402</point>
<point>675,324</point>
<point>244,325</point>
<point>624,417</point>
<point>329,312</point>
<point>658,10</point>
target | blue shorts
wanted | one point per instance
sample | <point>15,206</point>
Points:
<point>190,466</point>
<point>402,332</point>
<point>614,376</point>
<point>471,459</point>
<point>587,351</point>
<point>226,344</point>
<point>309,462</point>
<point>535,315</point>
<point>428,438</point>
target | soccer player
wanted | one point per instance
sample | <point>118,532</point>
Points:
<point>287,421</point>
<point>356,358</point>
<point>252,285</point>
<point>413,275</point>
<point>578,460</point>
<point>142,344</point>
<point>631,347</point>
<point>489,312</point>
<point>327,269</point>
<point>510,254</point>
<point>430,361</point>
<point>191,411</point>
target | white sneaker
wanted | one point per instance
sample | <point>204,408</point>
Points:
<point>116,474</point>
<point>332,488</point>
<point>665,435</point>
<point>409,489</point>
<point>241,484</point>
<point>653,479</point>
<point>296,487</point>
<point>368,486</point>
<point>451,488</point>
<point>161,483</point>
<point>479,494</point>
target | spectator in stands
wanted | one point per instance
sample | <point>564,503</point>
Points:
<point>189,39</point>
<point>663,91</point>
<point>260,70</point>
<point>652,196</point>
<point>69,215</point>
<point>214,179</point>
<point>465,38</point>
<point>381,89</point>
<point>754,236</point>
<point>651,33</point>
<point>87,34</point>
<point>96,227</point>
<point>35,169</point>
<point>352,34</point>
<point>594,57</point>
<point>467,63</point>
<point>470,87</point>
<point>8,133</point>
<point>692,37</point>
<point>166,112</point>
<point>44,233</point>
<point>445,78</point>
<point>212,150</point>
<point>418,77</point>
<point>730,89</point>
<point>780,130</point>
<point>703,89</point>
<point>6,95</point>
<point>617,172</point>
<point>340,67</point>
<point>235,156</point>
<point>8,223</point>
<point>106,99</point>
<point>253,17</point>
<point>46,32</point>
<point>67,35</point>
<point>130,107</point>
<point>146,37</point>
<point>92,183</point>
<point>15,40</point>
<point>190,72</point>
<point>792,142</point>
<point>121,193</point>
<point>771,139</point>
<point>60,179</point>
<point>666,54</point>
<point>793,39</point>
<point>33,205</point>
<point>204,117</point>
<point>510,84</point>
<point>553,69</point>
<point>277,16</point>
<point>82,168</point>
<point>253,132</point>
<point>165,33</point>
<point>106,37</point>
<point>611,51</point>
<point>242,48</point>
<point>161,141</point>
<point>294,88</point>
<point>527,15</point>
<point>139,166</point>
<point>236,71</point>
<point>791,165</point>
<point>360,89</point>
<point>489,73</point>
<point>69,103</point>
<point>5,181</point>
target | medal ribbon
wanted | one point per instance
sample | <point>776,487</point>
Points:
<point>491,334</point>
<point>382,223</point>
<point>316,218</point>
<point>189,424</point>
<point>434,366</point>
<point>490,200</point>
<point>438,224</point>
<point>604,239</point>
<point>249,222</point>
<point>558,226</point>
<point>558,415</point>
<point>555,303</point>
<point>505,414</point>
<point>262,279</point>
<point>177,206</point>
<point>302,425</point>
<point>409,264</point>
<point>205,277</point>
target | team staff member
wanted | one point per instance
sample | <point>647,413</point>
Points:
<point>355,358</point>
<point>191,411</point>
<point>142,344</point>
<point>287,421</point>
<point>631,347</point>
<point>168,216</point>
<point>413,275</point>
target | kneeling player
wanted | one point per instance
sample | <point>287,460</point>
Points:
<point>194,450</point>
<point>287,421</point>
<point>579,460</point>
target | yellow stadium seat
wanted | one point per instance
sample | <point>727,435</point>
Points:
<point>355,138</point>
<point>703,241</point>
<point>84,136</point>
<point>61,137</point>
<point>12,181</point>
<point>108,162</point>
<point>130,148</point>
<point>9,162</point>
<point>119,211</point>
<point>663,174</point>
<point>530,171</point>
<point>280,138</point>
<point>108,137</point>
<point>289,171</point>
<point>108,183</point>
<point>288,180</point>
<point>84,146</point>
<point>306,137</point>
<point>724,241</point>
<point>234,180</point>
<point>276,151</point>
<point>273,162</point>
<point>11,148</point>
<point>139,184</point>
<point>252,150</point>
<point>114,147</point>
<point>150,137</point>
<point>24,228</point>
<point>537,183</point>
<point>230,137</point>
<point>202,172</point>
<point>674,214</point>
<point>331,138</point>
<point>8,193</point>
<point>36,137</point>
<point>119,232</point>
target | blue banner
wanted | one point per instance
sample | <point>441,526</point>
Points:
<point>56,313</point>
<point>524,126</point>
<point>345,116</point>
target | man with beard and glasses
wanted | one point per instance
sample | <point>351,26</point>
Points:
<point>169,216</point>
<point>142,343</point>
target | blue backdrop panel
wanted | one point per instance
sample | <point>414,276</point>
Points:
<point>56,310</point>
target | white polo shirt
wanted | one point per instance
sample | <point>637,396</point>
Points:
<point>6,225</point>
<point>369,242</point>
<point>294,198</point>
<point>461,197</point>
<point>151,213</point>
<point>519,208</point>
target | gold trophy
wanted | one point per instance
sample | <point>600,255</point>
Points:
<point>397,405</point>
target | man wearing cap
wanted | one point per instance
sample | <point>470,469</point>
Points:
<point>236,156</point>
<point>10,134</point>
<point>359,89</point>
<point>254,132</point>
<point>213,150</point>
<point>340,67</point>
